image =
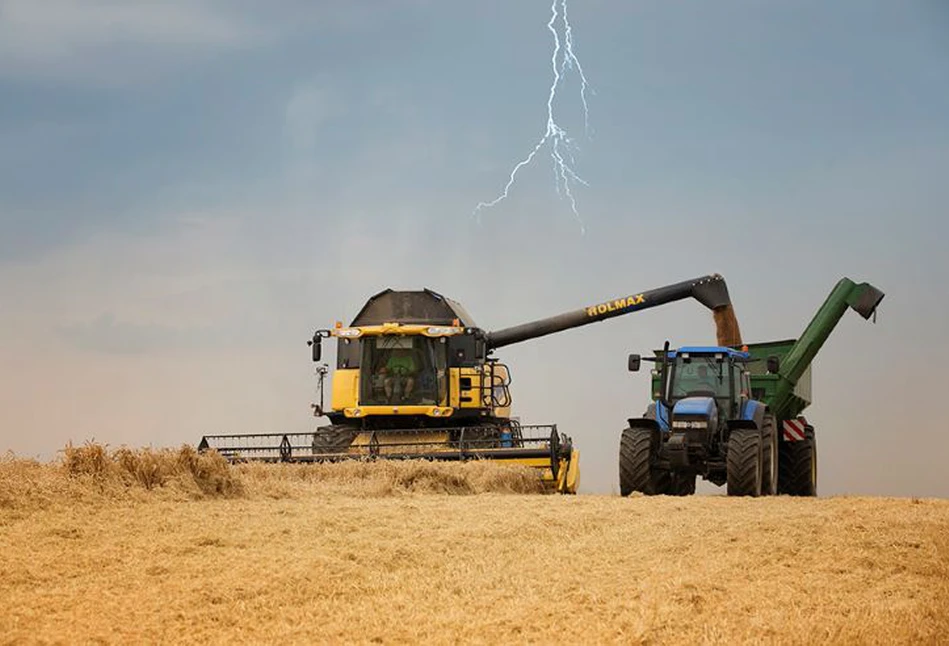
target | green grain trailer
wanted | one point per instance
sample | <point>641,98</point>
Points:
<point>782,380</point>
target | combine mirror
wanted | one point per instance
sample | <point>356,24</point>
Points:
<point>317,347</point>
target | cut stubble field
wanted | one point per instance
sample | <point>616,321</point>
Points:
<point>175,547</point>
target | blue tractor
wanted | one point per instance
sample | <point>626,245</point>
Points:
<point>703,422</point>
<point>735,416</point>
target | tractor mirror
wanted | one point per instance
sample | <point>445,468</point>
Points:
<point>317,347</point>
<point>773,364</point>
<point>634,361</point>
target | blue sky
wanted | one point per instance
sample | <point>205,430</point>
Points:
<point>187,189</point>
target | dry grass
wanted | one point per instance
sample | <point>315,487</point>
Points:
<point>355,553</point>
<point>94,473</point>
<point>374,479</point>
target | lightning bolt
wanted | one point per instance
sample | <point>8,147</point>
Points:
<point>561,146</point>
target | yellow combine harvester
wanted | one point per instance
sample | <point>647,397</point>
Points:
<point>416,379</point>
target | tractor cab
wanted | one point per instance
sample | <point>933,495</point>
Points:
<point>699,378</point>
<point>703,373</point>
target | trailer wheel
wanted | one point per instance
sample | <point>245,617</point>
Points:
<point>798,466</point>
<point>635,471</point>
<point>744,463</point>
<point>769,461</point>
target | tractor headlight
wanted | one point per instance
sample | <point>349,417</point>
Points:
<point>349,333</point>
<point>687,424</point>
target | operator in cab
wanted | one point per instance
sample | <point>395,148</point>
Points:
<point>399,371</point>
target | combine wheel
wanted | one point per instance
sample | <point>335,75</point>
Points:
<point>334,438</point>
<point>744,462</point>
<point>798,466</point>
<point>769,461</point>
<point>635,471</point>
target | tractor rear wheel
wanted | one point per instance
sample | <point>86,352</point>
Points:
<point>743,467</point>
<point>769,461</point>
<point>635,469</point>
<point>798,466</point>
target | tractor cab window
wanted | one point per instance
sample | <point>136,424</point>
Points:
<point>700,377</point>
<point>406,370</point>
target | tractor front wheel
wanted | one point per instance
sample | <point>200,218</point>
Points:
<point>635,468</point>
<point>743,467</point>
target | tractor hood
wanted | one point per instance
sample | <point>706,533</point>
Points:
<point>697,406</point>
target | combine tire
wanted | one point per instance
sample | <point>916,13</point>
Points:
<point>744,463</point>
<point>334,438</point>
<point>769,460</point>
<point>635,471</point>
<point>798,466</point>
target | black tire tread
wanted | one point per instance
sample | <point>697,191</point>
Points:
<point>744,463</point>
<point>769,437</point>
<point>635,473</point>
<point>796,460</point>
<point>334,438</point>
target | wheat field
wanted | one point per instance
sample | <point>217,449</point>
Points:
<point>171,546</point>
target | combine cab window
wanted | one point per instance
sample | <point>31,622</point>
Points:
<point>347,354</point>
<point>406,370</point>
<point>700,376</point>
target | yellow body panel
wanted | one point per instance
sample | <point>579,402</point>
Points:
<point>468,397</point>
<point>568,478</point>
<point>478,395</point>
<point>454,387</point>
<point>430,411</point>
<point>345,389</point>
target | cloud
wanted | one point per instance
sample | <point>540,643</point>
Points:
<point>107,40</point>
<point>106,334</point>
<point>116,42</point>
<point>309,108</point>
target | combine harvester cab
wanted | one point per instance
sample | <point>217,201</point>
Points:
<point>415,378</point>
<point>733,415</point>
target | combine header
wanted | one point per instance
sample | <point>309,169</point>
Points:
<point>416,379</point>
